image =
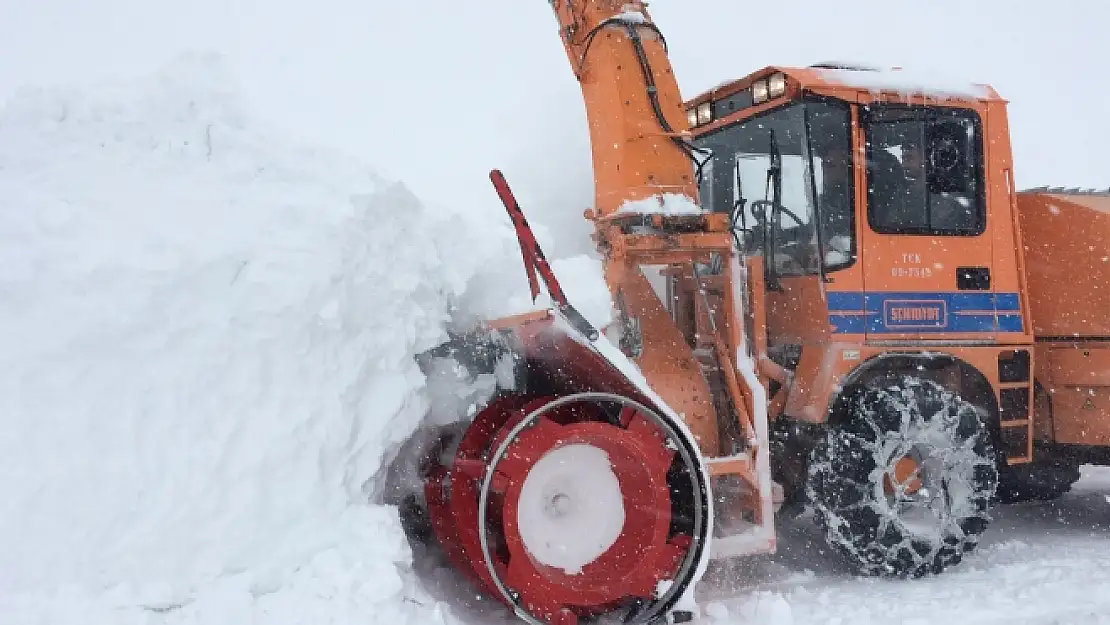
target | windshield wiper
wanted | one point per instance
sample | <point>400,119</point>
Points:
<point>817,208</point>
<point>738,209</point>
<point>774,178</point>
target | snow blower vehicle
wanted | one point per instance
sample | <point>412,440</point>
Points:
<point>820,300</point>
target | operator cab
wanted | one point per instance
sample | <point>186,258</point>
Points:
<point>865,192</point>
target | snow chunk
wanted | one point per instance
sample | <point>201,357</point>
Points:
<point>632,15</point>
<point>717,612</point>
<point>663,204</point>
<point>769,608</point>
<point>906,82</point>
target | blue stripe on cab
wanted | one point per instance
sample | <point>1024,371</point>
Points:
<point>924,312</point>
<point>848,324</point>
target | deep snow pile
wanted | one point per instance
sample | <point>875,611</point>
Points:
<point>208,337</point>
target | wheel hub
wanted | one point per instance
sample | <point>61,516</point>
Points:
<point>915,490</point>
<point>559,505</point>
<point>903,477</point>
<point>571,508</point>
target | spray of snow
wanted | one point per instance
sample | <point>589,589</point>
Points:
<point>209,341</point>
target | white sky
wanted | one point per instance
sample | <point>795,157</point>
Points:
<point>436,92</point>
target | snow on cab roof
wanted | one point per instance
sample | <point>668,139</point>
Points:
<point>907,82</point>
<point>840,75</point>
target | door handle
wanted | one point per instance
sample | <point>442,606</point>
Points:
<point>973,278</point>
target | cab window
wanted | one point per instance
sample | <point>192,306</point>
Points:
<point>786,178</point>
<point>924,171</point>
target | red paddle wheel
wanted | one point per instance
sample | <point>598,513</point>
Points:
<point>562,508</point>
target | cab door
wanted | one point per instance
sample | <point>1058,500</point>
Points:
<point>925,238</point>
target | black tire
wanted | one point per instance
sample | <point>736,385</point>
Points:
<point>883,420</point>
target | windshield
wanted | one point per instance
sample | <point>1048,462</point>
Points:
<point>803,150</point>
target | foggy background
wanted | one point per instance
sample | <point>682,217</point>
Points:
<point>436,93</point>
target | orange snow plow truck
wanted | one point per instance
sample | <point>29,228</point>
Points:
<point>821,297</point>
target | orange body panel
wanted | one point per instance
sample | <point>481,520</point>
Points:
<point>1067,249</point>
<point>1075,378</point>
<point>929,265</point>
<point>1082,416</point>
<point>794,315</point>
<point>666,360</point>
<point>824,368</point>
<point>674,321</point>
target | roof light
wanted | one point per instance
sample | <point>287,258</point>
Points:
<point>776,85</point>
<point>759,91</point>
<point>705,113</point>
<point>692,117</point>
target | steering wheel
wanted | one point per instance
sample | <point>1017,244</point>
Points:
<point>759,211</point>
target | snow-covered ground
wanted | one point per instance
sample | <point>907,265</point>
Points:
<point>208,340</point>
<point>1039,563</point>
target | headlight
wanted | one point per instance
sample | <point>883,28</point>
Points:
<point>759,92</point>
<point>776,85</point>
<point>705,113</point>
<point>692,117</point>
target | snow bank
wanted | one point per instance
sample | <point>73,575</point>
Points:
<point>209,336</point>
